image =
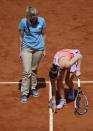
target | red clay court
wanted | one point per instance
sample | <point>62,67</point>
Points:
<point>69,25</point>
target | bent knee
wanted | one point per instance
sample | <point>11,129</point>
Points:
<point>27,75</point>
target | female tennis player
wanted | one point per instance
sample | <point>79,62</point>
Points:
<point>66,64</point>
<point>32,48</point>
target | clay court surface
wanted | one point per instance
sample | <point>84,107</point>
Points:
<point>69,25</point>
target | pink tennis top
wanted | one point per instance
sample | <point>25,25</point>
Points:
<point>64,53</point>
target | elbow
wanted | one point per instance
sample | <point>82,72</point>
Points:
<point>81,56</point>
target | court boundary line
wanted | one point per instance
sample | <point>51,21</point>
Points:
<point>47,82</point>
<point>50,110</point>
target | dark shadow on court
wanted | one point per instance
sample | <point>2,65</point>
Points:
<point>66,91</point>
<point>41,83</point>
<point>66,96</point>
<point>19,86</point>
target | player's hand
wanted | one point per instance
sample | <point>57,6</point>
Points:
<point>52,105</point>
<point>44,53</point>
<point>78,74</point>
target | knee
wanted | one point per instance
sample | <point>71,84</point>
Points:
<point>26,75</point>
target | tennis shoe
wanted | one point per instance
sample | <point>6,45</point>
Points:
<point>62,102</point>
<point>34,93</point>
<point>24,99</point>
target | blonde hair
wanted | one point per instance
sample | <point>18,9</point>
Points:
<point>31,11</point>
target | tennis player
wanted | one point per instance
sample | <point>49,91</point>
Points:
<point>66,64</point>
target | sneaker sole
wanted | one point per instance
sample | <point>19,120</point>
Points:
<point>61,107</point>
<point>24,101</point>
<point>34,96</point>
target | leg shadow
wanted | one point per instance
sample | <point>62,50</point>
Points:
<point>57,97</point>
<point>19,85</point>
<point>41,83</point>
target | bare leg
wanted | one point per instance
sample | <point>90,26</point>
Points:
<point>69,79</point>
<point>60,87</point>
<point>69,82</point>
<point>60,84</point>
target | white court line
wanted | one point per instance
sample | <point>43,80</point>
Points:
<point>50,110</point>
<point>47,82</point>
<point>15,82</point>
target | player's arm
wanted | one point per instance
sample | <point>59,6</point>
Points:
<point>44,37</point>
<point>77,59</point>
<point>43,32</point>
<point>21,35</point>
<point>79,66</point>
<point>53,84</point>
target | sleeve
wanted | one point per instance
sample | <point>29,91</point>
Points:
<point>43,24</point>
<point>21,25</point>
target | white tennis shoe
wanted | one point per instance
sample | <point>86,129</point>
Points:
<point>62,102</point>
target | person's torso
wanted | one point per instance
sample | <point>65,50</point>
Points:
<point>32,34</point>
